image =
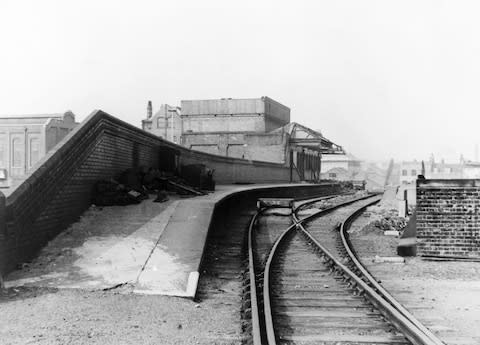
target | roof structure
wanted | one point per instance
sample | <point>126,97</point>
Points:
<point>346,157</point>
<point>9,120</point>
<point>36,116</point>
<point>308,138</point>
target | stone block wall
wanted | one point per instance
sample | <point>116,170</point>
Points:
<point>448,218</point>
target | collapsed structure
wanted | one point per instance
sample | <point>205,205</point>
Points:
<point>257,129</point>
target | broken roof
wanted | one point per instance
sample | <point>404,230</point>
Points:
<point>306,137</point>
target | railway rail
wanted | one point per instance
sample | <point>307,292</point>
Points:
<point>307,286</point>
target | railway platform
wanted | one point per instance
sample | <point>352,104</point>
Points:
<point>149,248</point>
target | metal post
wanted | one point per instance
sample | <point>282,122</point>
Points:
<point>291,165</point>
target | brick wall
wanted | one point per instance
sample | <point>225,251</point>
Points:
<point>60,187</point>
<point>448,215</point>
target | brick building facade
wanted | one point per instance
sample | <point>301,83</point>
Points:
<point>24,140</point>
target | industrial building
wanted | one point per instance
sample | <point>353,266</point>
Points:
<point>257,129</point>
<point>25,139</point>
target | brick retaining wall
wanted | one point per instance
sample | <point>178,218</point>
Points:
<point>448,215</point>
<point>60,187</point>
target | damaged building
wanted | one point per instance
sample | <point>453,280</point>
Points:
<point>257,129</point>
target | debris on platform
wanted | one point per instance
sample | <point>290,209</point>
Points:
<point>135,184</point>
<point>111,192</point>
<point>182,188</point>
<point>161,197</point>
<point>199,176</point>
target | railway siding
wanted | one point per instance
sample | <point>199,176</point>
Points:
<point>304,285</point>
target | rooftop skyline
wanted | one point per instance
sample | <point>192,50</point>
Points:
<point>381,78</point>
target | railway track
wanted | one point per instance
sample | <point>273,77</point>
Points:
<point>308,287</point>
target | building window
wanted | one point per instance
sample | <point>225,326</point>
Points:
<point>17,153</point>
<point>159,122</point>
<point>2,153</point>
<point>332,175</point>
<point>404,172</point>
<point>414,172</point>
<point>34,151</point>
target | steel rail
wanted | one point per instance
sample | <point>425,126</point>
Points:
<point>267,307</point>
<point>255,314</point>
<point>403,324</point>
<point>415,331</point>
<point>303,202</point>
<point>332,208</point>
<point>373,282</point>
<point>254,310</point>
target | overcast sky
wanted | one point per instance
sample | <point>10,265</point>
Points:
<point>382,78</point>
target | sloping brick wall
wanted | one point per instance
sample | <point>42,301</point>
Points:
<point>60,187</point>
<point>448,218</point>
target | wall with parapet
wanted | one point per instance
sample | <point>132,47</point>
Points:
<point>60,187</point>
<point>448,218</point>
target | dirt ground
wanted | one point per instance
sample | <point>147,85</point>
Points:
<point>444,295</point>
<point>37,313</point>
<point>74,316</point>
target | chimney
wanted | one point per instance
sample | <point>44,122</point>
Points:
<point>149,110</point>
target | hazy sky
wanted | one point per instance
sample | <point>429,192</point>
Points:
<point>382,78</point>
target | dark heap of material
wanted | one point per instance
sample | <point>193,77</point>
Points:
<point>133,185</point>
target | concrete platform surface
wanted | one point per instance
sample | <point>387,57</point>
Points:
<point>149,248</point>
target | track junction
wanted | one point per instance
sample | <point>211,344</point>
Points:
<point>307,286</point>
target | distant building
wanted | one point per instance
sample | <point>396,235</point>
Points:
<point>340,167</point>
<point>166,123</point>
<point>253,129</point>
<point>25,139</point>
<point>471,170</point>
<point>221,126</point>
<point>409,171</point>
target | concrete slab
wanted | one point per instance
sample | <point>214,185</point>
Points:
<point>107,247</point>
<point>174,266</point>
<point>176,257</point>
<point>148,248</point>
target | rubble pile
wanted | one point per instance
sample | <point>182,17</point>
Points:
<point>135,184</point>
<point>387,220</point>
<point>391,223</point>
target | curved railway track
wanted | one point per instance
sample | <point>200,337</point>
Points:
<point>308,287</point>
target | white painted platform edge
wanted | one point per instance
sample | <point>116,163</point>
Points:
<point>192,283</point>
<point>190,291</point>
